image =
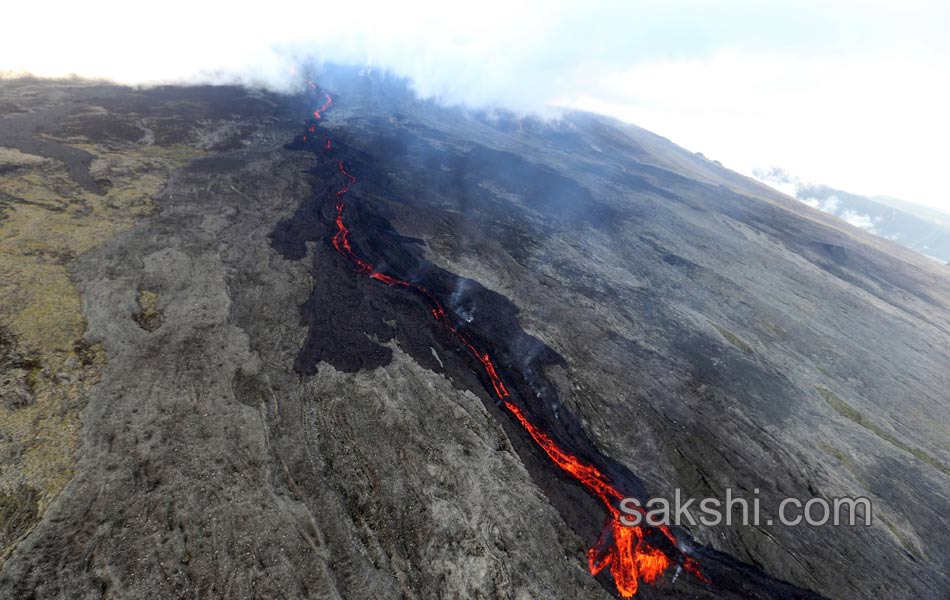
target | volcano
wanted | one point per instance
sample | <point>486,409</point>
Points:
<point>349,343</point>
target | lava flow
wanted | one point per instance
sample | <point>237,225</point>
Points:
<point>624,550</point>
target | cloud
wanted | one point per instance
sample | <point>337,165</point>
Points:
<point>859,220</point>
<point>515,54</point>
<point>832,205</point>
<point>865,124</point>
<point>847,92</point>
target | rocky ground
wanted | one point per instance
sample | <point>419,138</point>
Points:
<point>200,398</point>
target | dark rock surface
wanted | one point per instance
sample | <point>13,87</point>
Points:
<point>291,429</point>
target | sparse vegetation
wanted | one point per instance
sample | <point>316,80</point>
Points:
<point>18,512</point>
<point>734,339</point>
<point>149,316</point>
<point>908,546</point>
<point>852,414</point>
<point>49,221</point>
<point>845,460</point>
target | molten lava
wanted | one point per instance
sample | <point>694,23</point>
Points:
<point>317,113</point>
<point>628,556</point>
<point>622,549</point>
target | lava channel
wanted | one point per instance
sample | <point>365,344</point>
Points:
<point>623,550</point>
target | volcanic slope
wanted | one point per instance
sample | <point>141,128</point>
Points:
<point>269,421</point>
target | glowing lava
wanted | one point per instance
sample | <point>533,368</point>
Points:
<point>623,550</point>
<point>317,113</point>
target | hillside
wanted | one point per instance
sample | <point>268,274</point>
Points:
<point>226,372</point>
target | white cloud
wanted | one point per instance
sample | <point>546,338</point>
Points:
<point>832,205</point>
<point>865,125</point>
<point>490,52</point>
<point>845,92</point>
<point>859,220</point>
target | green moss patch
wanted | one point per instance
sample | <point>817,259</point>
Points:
<point>734,339</point>
<point>854,415</point>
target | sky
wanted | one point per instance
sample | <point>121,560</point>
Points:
<point>847,93</point>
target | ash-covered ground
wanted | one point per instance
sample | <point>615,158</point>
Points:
<point>202,398</point>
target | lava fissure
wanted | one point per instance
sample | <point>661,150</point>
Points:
<point>623,550</point>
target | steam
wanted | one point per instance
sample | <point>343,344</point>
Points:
<point>462,304</point>
<point>787,183</point>
<point>845,92</point>
<point>832,205</point>
<point>516,54</point>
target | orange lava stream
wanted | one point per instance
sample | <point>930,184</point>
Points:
<point>620,548</point>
